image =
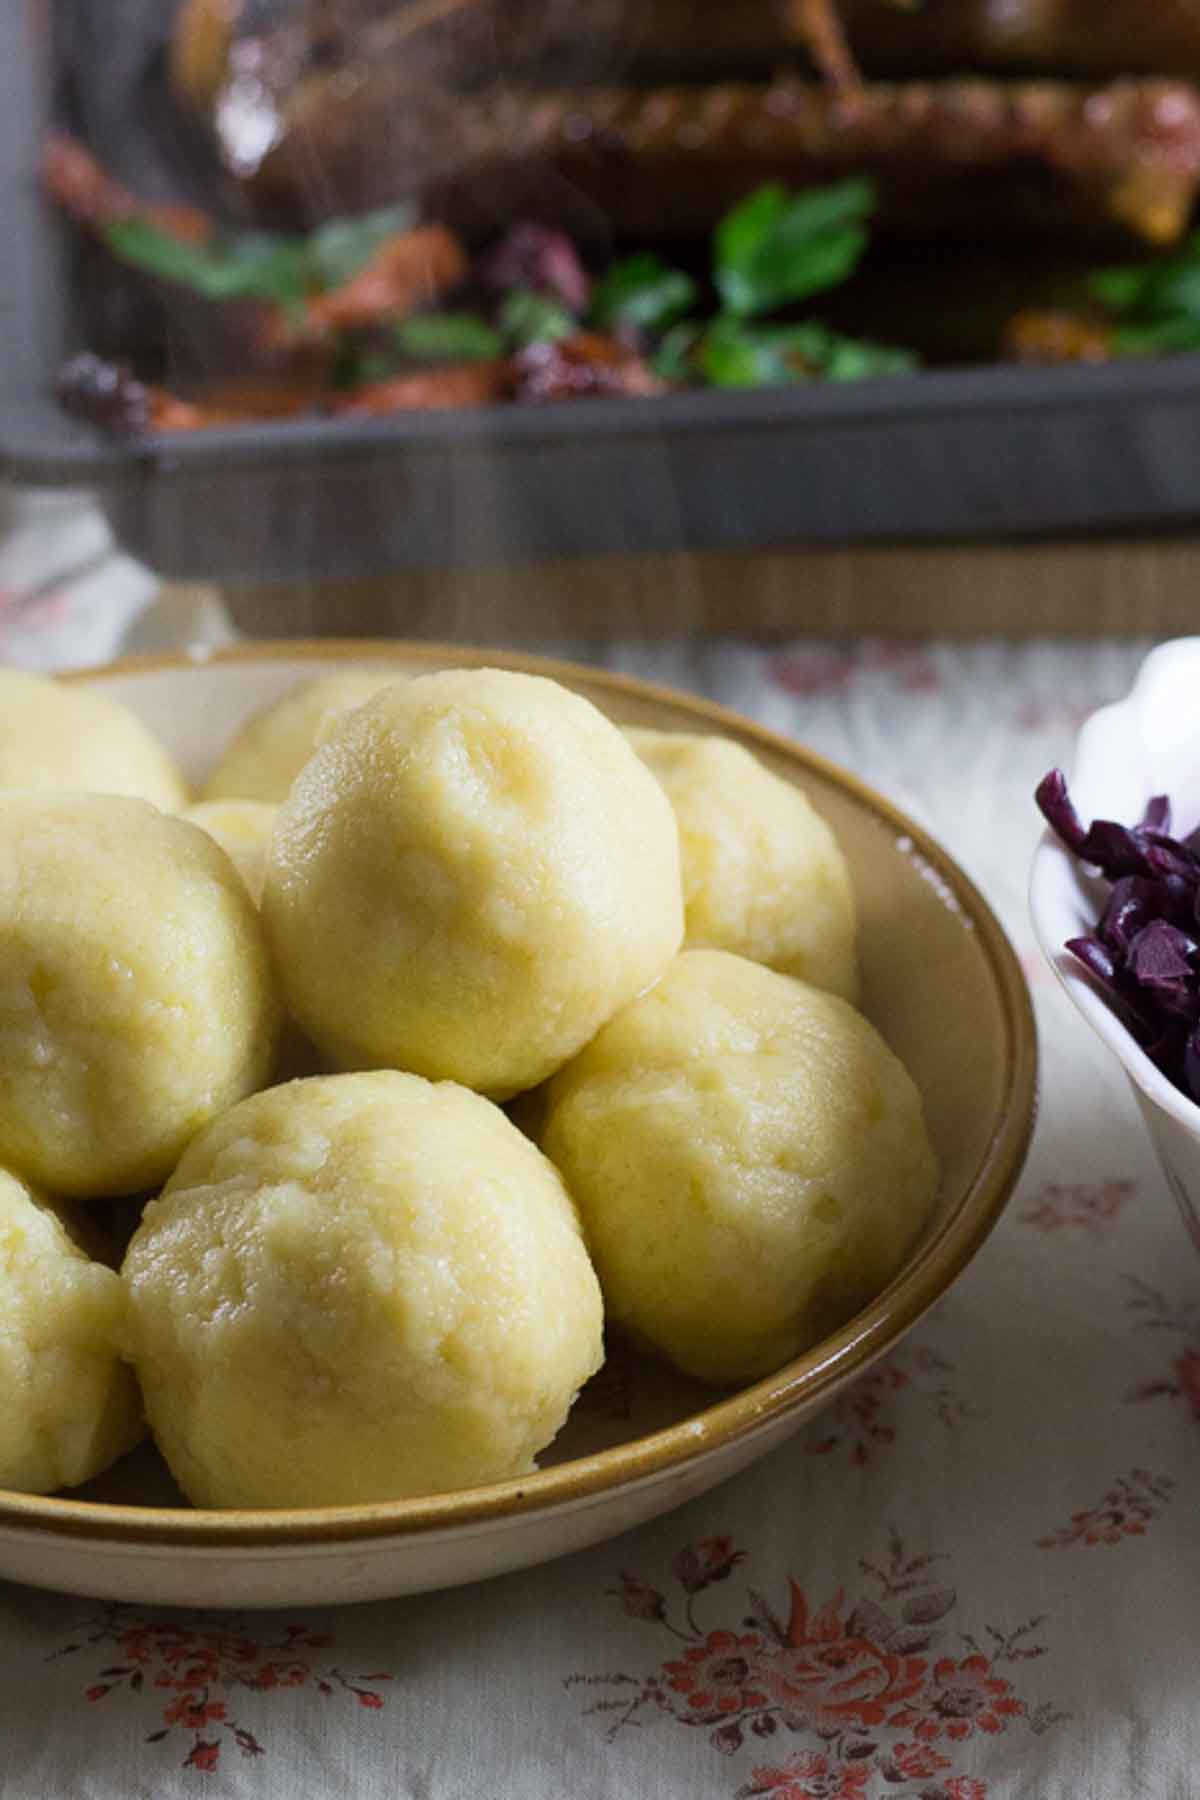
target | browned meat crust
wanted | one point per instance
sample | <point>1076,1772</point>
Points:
<point>87,193</point>
<point>670,159</point>
<point>1097,39</point>
<point>590,362</point>
<point>429,390</point>
<point>1058,337</point>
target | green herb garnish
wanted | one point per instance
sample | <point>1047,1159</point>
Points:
<point>447,337</point>
<point>527,317</point>
<point>258,265</point>
<point>338,250</point>
<point>777,248</point>
<point>1155,305</point>
<point>734,353</point>
<point>641,292</point>
<point>771,252</point>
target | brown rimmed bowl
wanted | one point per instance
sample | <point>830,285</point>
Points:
<point>940,981</point>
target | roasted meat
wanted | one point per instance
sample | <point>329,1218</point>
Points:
<point>967,155</point>
<point>581,42</point>
<point>1097,39</point>
<point>429,390</point>
<point>590,362</point>
<point>556,108</point>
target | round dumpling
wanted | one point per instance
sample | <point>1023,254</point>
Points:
<point>750,1161</point>
<point>137,998</point>
<point>762,872</point>
<point>473,873</point>
<point>71,1406</point>
<point>357,1288</point>
<point>272,747</point>
<point>243,830</point>
<point>59,735</point>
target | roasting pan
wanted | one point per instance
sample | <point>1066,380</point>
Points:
<point>974,454</point>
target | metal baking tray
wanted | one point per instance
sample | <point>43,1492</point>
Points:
<point>972,454</point>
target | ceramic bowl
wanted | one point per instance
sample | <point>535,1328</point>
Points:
<point>941,982</point>
<point>1148,743</point>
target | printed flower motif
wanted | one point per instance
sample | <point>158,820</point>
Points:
<point>826,1687</point>
<point>810,1776</point>
<point>640,1601</point>
<point>719,1677</point>
<point>1090,1206</point>
<point>708,1560</point>
<point>194,1714</point>
<point>813,672</point>
<point>963,1697</point>
<point>1125,1510</point>
<point>857,1413</point>
<point>829,1677</point>
<point>911,1762</point>
<point>865,1418</point>
<point>831,670</point>
<point>1187,1374</point>
<point>856,1676</point>
<point>189,1661</point>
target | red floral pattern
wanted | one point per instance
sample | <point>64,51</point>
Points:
<point>1154,1312</point>
<point>1092,1207</point>
<point>1053,713</point>
<point>195,1662</point>
<point>864,1419</point>
<point>1124,1511</point>
<point>961,1697</point>
<point>906,666</point>
<point>853,1675</point>
<point>717,1676</point>
<point>809,1776</point>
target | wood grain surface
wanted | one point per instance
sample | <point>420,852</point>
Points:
<point>1086,588</point>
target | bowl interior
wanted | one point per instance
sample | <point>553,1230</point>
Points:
<point>940,982</point>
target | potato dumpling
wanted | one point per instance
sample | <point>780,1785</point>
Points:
<point>267,754</point>
<point>55,735</point>
<point>243,830</point>
<point>762,872</point>
<point>71,1406</point>
<point>473,873</point>
<point>356,1288</point>
<point>749,1159</point>
<point>137,998</point>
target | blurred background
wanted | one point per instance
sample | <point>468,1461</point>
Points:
<point>516,319</point>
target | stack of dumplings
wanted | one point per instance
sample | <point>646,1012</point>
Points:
<point>296,1022</point>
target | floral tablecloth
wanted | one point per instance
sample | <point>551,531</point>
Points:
<point>977,1577</point>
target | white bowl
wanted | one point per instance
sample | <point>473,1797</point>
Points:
<point>1148,743</point>
<point>941,982</point>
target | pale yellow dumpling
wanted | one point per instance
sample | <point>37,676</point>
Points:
<point>137,998</point>
<point>61,736</point>
<point>272,747</point>
<point>473,873</point>
<point>243,830</point>
<point>749,1159</point>
<point>356,1288</point>
<point>762,872</point>
<point>71,1406</point>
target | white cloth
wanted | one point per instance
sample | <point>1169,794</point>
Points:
<point>977,1577</point>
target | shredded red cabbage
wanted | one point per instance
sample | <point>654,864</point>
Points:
<point>1145,949</point>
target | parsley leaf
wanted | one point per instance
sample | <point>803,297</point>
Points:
<point>641,291</point>
<point>777,247</point>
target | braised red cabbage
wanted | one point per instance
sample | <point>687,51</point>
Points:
<point>1144,951</point>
